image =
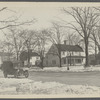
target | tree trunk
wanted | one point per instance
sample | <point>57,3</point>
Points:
<point>60,65</point>
<point>42,63</point>
<point>59,51</point>
<point>17,56</point>
<point>86,53</point>
<point>42,58</point>
<point>70,60</point>
<point>28,58</point>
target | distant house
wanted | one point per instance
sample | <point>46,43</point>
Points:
<point>70,55</point>
<point>33,57</point>
<point>4,56</point>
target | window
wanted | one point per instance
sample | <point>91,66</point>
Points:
<point>53,62</point>
<point>78,60</point>
<point>63,53</point>
<point>46,62</point>
<point>64,61</point>
<point>68,61</point>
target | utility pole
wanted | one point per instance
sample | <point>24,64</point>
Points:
<point>70,58</point>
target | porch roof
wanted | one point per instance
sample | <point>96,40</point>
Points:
<point>74,57</point>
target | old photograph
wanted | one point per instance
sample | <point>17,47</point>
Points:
<point>49,49</point>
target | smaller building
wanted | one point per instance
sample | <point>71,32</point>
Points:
<point>34,57</point>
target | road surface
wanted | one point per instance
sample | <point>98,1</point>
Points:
<point>71,78</point>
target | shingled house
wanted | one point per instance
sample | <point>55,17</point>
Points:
<point>70,55</point>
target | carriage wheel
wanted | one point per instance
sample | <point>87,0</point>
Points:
<point>5,74</point>
<point>16,74</point>
<point>26,74</point>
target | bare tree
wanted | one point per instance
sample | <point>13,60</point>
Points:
<point>41,43</point>
<point>73,39</point>
<point>6,46</point>
<point>95,37</point>
<point>14,42</point>
<point>12,21</point>
<point>30,41</point>
<point>85,20</point>
<point>56,36</point>
<point>11,42</point>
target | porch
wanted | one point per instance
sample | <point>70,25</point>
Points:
<point>73,60</point>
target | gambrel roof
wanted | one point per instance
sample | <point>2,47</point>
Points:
<point>63,47</point>
<point>73,48</point>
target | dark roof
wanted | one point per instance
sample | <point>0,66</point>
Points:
<point>75,48</point>
<point>34,54</point>
<point>5,54</point>
<point>76,56</point>
<point>25,54</point>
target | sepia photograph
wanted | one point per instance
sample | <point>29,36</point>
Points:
<point>49,49</point>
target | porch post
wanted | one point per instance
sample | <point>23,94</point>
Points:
<point>74,61</point>
<point>67,63</point>
<point>81,61</point>
<point>70,60</point>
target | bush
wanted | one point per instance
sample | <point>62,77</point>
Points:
<point>93,62</point>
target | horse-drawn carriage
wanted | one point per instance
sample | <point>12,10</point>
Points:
<point>14,68</point>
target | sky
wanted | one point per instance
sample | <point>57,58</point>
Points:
<point>44,13</point>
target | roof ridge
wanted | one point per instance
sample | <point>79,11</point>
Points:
<point>73,48</point>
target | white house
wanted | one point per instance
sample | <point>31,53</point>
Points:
<point>70,55</point>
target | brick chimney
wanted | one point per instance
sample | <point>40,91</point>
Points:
<point>65,42</point>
